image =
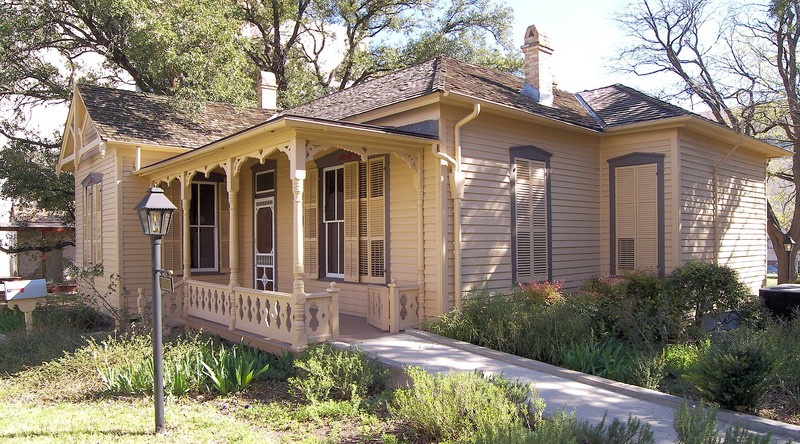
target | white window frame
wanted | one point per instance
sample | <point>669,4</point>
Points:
<point>197,226</point>
<point>325,223</point>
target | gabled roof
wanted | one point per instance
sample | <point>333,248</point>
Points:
<point>444,75</point>
<point>129,116</point>
<point>617,105</point>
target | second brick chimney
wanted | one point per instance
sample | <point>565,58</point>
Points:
<point>538,73</point>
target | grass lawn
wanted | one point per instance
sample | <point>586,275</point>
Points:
<point>124,420</point>
<point>58,396</point>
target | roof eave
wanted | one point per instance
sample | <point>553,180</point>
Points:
<point>518,113</point>
<point>702,126</point>
<point>294,124</point>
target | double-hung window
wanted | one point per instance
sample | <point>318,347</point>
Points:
<point>353,220</point>
<point>204,227</point>
<point>333,220</point>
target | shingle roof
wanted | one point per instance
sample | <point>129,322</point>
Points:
<point>444,74</point>
<point>619,105</point>
<point>149,118</point>
<point>136,117</point>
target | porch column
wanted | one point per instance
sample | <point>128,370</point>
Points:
<point>233,223</point>
<point>186,201</point>
<point>297,172</point>
<point>298,286</point>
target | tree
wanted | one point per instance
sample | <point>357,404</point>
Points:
<point>46,46</point>
<point>295,39</point>
<point>195,50</point>
<point>743,67</point>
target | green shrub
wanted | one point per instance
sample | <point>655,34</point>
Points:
<point>699,289</point>
<point>325,372</point>
<point>647,370</point>
<point>735,372</point>
<point>11,320</point>
<point>680,358</point>
<point>633,308</point>
<point>698,425</point>
<point>783,338</point>
<point>454,406</point>
<point>64,312</point>
<point>608,359</point>
<point>542,292</point>
<point>631,431</point>
<point>125,365</point>
<point>508,322</point>
<point>233,369</point>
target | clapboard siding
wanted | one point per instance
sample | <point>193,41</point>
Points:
<point>486,207</point>
<point>655,142</point>
<point>106,166</point>
<point>741,205</point>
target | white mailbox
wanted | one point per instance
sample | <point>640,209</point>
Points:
<point>26,295</point>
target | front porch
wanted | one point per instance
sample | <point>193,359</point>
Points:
<point>275,322</point>
<point>277,262</point>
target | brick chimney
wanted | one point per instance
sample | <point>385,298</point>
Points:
<point>538,74</point>
<point>267,90</point>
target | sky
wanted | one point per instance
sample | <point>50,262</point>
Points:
<point>584,37</point>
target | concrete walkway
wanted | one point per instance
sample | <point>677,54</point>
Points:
<point>589,396</point>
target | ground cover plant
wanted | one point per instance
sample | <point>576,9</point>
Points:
<point>696,333</point>
<point>70,385</point>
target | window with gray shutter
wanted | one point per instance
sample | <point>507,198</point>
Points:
<point>637,210</point>
<point>531,221</point>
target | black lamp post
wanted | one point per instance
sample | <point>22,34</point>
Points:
<point>155,214</point>
<point>788,245</point>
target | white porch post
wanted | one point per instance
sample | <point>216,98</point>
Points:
<point>233,223</point>
<point>297,172</point>
<point>232,180</point>
<point>186,201</point>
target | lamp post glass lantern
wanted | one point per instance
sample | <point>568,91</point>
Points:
<point>788,246</point>
<point>155,214</point>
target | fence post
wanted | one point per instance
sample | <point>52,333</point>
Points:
<point>394,307</point>
<point>333,309</point>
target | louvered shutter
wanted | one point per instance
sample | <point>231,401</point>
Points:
<point>646,217</point>
<point>636,194</point>
<point>376,204</point>
<point>351,221</point>
<point>625,208</point>
<point>87,226</point>
<point>530,193</point>
<point>310,224</point>
<point>171,248</point>
<point>97,217</point>
<point>363,223</point>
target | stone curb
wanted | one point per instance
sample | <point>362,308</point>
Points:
<point>752,423</point>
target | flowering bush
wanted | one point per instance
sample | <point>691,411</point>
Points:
<point>543,292</point>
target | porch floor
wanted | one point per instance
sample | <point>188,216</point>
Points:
<point>352,329</point>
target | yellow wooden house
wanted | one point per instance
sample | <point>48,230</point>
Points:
<point>389,200</point>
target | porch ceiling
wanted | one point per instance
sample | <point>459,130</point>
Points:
<point>286,134</point>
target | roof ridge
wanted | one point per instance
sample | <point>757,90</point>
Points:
<point>591,111</point>
<point>652,99</point>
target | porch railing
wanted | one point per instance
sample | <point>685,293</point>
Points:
<point>394,308</point>
<point>285,317</point>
